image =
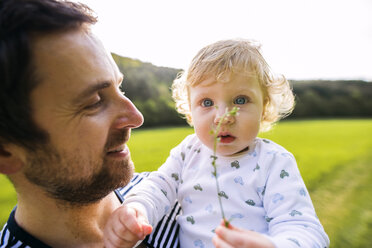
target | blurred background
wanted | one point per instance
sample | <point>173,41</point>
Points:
<point>322,47</point>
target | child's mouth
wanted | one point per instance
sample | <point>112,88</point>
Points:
<point>226,138</point>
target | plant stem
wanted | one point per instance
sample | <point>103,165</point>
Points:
<point>215,133</point>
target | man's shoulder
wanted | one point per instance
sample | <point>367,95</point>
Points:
<point>8,236</point>
<point>136,179</point>
<point>5,237</point>
<point>12,235</point>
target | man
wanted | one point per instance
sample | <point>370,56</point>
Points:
<point>64,125</point>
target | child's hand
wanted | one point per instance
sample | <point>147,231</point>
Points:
<point>230,237</point>
<point>125,227</point>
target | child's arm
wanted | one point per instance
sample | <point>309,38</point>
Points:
<point>125,227</point>
<point>290,214</point>
<point>158,192</point>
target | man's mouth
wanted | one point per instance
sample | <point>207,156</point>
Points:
<point>118,149</point>
<point>119,152</point>
<point>116,143</point>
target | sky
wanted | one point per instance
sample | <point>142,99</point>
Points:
<point>301,39</point>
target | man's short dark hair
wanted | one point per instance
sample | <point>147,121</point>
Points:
<point>20,20</point>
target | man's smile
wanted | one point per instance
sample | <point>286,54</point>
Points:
<point>119,152</point>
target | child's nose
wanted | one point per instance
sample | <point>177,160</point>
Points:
<point>223,118</point>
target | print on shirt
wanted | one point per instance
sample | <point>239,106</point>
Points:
<point>239,180</point>
<point>199,243</point>
<point>198,187</point>
<point>284,174</point>
<point>175,176</point>
<point>190,219</point>
<point>223,194</point>
<point>235,164</point>
<point>250,202</point>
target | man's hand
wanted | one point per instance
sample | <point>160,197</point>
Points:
<point>233,237</point>
<point>125,227</point>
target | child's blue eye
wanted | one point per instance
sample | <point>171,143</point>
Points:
<point>207,103</point>
<point>240,100</point>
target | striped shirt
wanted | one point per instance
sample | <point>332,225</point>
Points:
<point>165,234</point>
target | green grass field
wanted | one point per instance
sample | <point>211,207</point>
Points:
<point>334,157</point>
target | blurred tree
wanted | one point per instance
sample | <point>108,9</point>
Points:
<point>148,86</point>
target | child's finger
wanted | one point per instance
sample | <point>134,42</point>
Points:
<point>242,238</point>
<point>231,234</point>
<point>126,233</point>
<point>223,223</point>
<point>113,240</point>
<point>146,227</point>
<point>231,227</point>
<point>219,243</point>
<point>130,220</point>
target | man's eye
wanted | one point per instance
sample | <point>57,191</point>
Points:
<point>207,103</point>
<point>95,105</point>
<point>240,100</point>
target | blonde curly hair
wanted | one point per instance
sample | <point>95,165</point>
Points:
<point>225,58</point>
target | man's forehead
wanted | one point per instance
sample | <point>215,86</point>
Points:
<point>59,46</point>
<point>69,65</point>
<point>73,55</point>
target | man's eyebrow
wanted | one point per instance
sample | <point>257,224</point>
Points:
<point>91,90</point>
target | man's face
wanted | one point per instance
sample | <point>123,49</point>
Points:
<point>79,104</point>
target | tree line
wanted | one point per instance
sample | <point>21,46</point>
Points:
<point>148,86</point>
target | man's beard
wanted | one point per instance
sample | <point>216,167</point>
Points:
<point>58,173</point>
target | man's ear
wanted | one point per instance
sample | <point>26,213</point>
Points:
<point>10,163</point>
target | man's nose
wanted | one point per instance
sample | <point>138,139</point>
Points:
<point>129,116</point>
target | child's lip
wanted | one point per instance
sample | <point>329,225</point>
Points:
<point>226,137</point>
<point>224,134</point>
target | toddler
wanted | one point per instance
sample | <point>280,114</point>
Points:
<point>260,186</point>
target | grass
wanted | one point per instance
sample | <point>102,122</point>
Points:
<point>334,157</point>
<point>150,147</point>
<point>321,146</point>
<point>7,199</point>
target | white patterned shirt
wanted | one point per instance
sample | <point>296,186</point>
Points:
<point>261,190</point>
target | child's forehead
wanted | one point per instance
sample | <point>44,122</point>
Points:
<point>226,78</point>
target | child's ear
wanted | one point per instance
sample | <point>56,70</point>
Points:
<point>264,109</point>
<point>10,163</point>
